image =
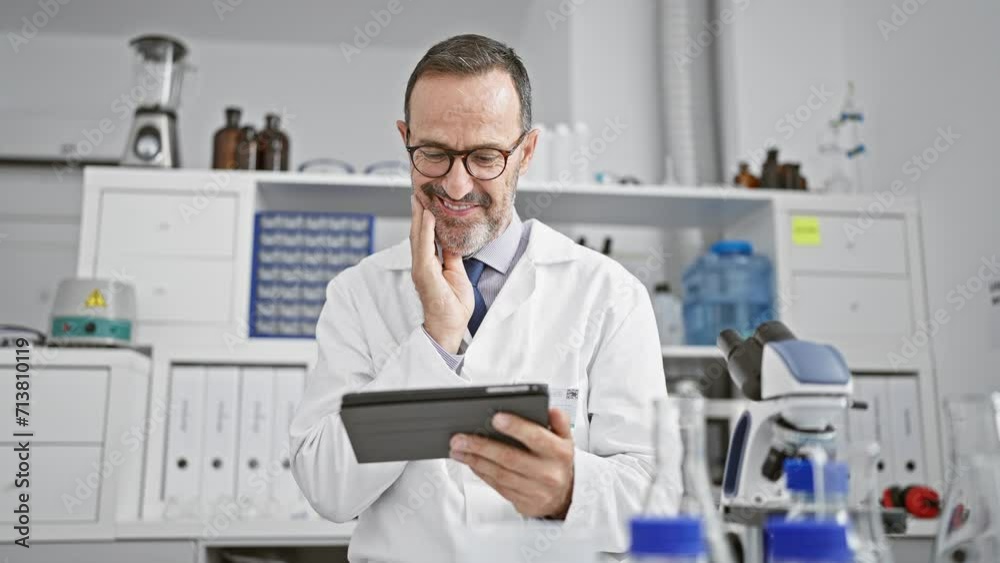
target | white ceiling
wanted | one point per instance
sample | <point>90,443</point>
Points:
<point>289,21</point>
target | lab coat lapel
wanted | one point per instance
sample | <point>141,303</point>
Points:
<point>516,291</point>
<point>545,247</point>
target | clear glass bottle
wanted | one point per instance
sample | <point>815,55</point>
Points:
<point>973,429</point>
<point>985,470</point>
<point>669,315</point>
<point>872,543</point>
<point>683,414</point>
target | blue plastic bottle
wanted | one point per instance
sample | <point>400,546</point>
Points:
<point>808,541</point>
<point>799,479</point>
<point>729,287</point>
<point>667,540</point>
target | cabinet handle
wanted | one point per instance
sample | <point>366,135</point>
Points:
<point>159,290</point>
<point>855,306</point>
<point>164,226</point>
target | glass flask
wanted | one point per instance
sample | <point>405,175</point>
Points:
<point>684,413</point>
<point>872,545</point>
<point>973,429</point>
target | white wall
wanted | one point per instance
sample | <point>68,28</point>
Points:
<point>333,105</point>
<point>938,70</point>
<point>615,75</point>
<point>776,55</point>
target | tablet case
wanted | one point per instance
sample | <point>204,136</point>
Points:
<point>418,424</point>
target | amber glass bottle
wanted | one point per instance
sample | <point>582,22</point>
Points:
<point>272,145</point>
<point>226,140</point>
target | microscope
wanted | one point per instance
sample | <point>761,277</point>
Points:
<point>798,393</point>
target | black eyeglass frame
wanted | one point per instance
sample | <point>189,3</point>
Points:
<point>452,154</point>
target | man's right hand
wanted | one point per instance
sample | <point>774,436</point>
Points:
<point>443,286</point>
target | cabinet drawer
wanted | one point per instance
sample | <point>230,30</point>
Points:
<point>56,472</point>
<point>158,223</point>
<point>879,249</point>
<point>827,306</point>
<point>175,289</point>
<point>66,405</point>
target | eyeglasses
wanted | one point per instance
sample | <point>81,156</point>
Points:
<point>482,164</point>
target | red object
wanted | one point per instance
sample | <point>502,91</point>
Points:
<point>918,500</point>
<point>922,502</point>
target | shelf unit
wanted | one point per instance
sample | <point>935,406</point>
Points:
<point>650,218</point>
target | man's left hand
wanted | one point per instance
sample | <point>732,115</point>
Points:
<point>538,482</point>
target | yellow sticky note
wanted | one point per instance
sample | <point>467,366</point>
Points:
<point>805,231</point>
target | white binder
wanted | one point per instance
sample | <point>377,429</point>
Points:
<point>906,431</point>
<point>874,424</point>
<point>254,476</point>
<point>182,476</point>
<point>287,497</point>
<point>218,464</point>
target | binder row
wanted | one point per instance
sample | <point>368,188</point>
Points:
<point>227,443</point>
<point>893,420</point>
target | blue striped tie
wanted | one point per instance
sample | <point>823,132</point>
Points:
<point>474,268</point>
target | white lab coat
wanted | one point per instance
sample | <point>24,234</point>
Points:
<point>566,316</point>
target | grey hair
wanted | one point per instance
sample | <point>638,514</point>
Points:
<point>471,55</point>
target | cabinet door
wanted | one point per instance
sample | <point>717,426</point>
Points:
<point>879,249</point>
<point>66,405</point>
<point>174,289</point>
<point>157,223</point>
<point>65,483</point>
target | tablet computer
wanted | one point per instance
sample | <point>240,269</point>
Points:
<point>409,425</point>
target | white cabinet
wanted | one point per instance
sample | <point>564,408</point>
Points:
<point>845,247</point>
<point>172,289</point>
<point>65,483</point>
<point>184,223</point>
<point>86,413</point>
<point>833,307</point>
<point>69,405</point>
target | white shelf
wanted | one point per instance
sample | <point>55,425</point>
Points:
<point>692,352</point>
<point>920,528</point>
<point>270,532</point>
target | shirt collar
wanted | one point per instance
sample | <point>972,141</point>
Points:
<point>499,253</point>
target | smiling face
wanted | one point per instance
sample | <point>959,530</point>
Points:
<point>463,113</point>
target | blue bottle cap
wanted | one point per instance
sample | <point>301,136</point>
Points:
<point>808,540</point>
<point>730,247</point>
<point>681,536</point>
<point>799,476</point>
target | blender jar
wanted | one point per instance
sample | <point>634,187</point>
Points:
<point>158,72</point>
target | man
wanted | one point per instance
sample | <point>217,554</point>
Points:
<point>504,301</point>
